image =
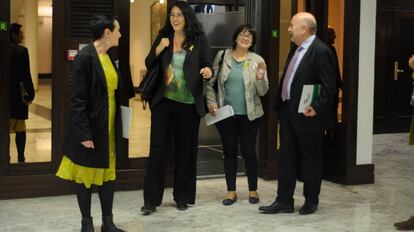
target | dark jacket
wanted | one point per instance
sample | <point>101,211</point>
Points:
<point>88,111</point>
<point>19,72</point>
<point>318,66</point>
<point>198,56</point>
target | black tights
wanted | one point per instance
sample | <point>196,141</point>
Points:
<point>106,197</point>
<point>20,144</point>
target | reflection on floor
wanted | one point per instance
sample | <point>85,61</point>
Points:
<point>373,207</point>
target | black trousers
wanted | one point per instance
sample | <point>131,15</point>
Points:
<point>298,150</point>
<point>185,120</point>
<point>234,131</point>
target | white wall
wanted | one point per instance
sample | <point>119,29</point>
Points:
<point>45,45</point>
<point>16,10</point>
<point>31,32</point>
<point>366,81</point>
<point>140,43</point>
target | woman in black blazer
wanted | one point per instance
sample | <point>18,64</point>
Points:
<point>93,131</point>
<point>184,57</point>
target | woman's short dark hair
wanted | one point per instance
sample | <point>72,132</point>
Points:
<point>192,28</point>
<point>99,23</point>
<point>244,28</point>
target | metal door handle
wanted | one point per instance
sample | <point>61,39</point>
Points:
<point>396,70</point>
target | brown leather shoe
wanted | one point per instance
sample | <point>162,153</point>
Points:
<point>405,225</point>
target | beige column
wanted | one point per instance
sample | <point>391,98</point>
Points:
<point>30,30</point>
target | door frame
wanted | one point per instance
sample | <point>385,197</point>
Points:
<point>384,121</point>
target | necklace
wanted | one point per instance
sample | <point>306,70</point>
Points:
<point>239,58</point>
<point>176,46</point>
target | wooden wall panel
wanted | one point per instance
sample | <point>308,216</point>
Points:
<point>270,51</point>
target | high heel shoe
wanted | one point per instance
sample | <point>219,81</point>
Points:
<point>148,209</point>
<point>181,205</point>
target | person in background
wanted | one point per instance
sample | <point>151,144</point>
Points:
<point>21,88</point>
<point>310,62</point>
<point>182,51</point>
<point>411,64</point>
<point>409,223</point>
<point>241,82</point>
<point>94,127</point>
<point>331,36</point>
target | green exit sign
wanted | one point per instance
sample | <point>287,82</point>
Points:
<point>3,26</point>
<point>275,33</point>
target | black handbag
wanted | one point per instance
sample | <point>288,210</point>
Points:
<point>23,93</point>
<point>149,84</point>
<point>412,97</point>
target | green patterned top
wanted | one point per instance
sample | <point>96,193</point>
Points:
<point>176,88</point>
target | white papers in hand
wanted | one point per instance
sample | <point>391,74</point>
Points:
<point>222,113</point>
<point>126,114</point>
<point>309,94</point>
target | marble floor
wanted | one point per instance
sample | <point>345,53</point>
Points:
<point>373,207</point>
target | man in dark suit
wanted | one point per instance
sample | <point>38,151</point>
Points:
<point>310,62</point>
<point>21,88</point>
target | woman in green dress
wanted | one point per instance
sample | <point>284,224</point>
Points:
<point>92,132</point>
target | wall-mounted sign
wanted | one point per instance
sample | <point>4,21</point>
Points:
<point>71,54</point>
<point>275,33</point>
<point>3,26</point>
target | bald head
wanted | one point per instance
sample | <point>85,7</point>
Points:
<point>302,26</point>
<point>307,20</point>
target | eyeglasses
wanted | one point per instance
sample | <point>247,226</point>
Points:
<point>179,15</point>
<point>247,36</point>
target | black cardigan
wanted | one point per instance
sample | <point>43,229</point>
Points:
<point>198,56</point>
<point>88,112</point>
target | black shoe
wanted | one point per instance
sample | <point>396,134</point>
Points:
<point>405,225</point>
<point>108,225</point>
<point>181,205</point>
<point>87,224</point>
<point>229,201</point>
<point>21,159</point>
<point>308,208</point>
<point>277,207</point>
<point>148,209</point>
<point>253,200</point>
